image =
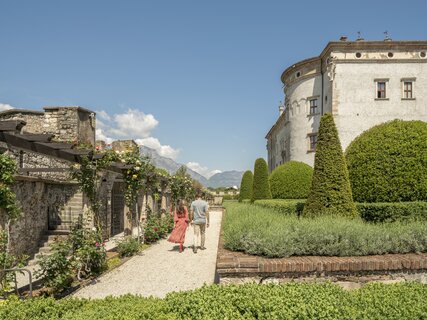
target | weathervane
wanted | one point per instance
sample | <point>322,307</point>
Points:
<point>387,37</point>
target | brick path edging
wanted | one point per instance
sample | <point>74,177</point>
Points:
<point>238,264</point>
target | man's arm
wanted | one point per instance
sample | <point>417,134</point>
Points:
<point>207,216</point>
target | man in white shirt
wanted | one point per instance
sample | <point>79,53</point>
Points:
<point>199,218</point>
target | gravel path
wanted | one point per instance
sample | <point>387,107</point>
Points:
<point>161,269</point>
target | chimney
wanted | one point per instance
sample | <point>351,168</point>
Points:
<point>343,38</point>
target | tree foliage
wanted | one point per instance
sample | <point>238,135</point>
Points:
<point>330,192</point>
<point>246,186</point>
<point>261,185</point>
<point>291,180</point>
<point>388,163</point>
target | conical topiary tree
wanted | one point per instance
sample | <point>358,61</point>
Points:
<point>246,186</point>
<point>261,185</point>
<point>330,192</point>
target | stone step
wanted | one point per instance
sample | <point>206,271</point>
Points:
<point>45,249</point>
<point>58,233</point>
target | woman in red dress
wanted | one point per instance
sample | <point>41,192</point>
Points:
<point>181,224</point>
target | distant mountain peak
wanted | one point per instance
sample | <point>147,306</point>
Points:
<point>222,179</point>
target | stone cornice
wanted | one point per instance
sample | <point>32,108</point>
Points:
<point>355,46</point>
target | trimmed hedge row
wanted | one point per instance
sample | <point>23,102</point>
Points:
<point>246,186</point>
<point>248,301</point>
<point>288,207</point>
<point>370,212</point>
<point>393,211</point>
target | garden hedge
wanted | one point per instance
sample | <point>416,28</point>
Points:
<point>261,185</point>
<point>330,192</point>
<point>394,211</point>
<point>247,301</point>
<point>246,186</point>
<point>370,212</point>
<point>288,207</point>
<point>388,163</point>
<point>291,180</point>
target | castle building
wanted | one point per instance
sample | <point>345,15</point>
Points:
<point>362,83</point>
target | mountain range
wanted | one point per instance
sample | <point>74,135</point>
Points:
<point>222,179</point>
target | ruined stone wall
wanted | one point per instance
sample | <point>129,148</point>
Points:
<point>70,124</point>
<point>38,200</point>
<point>34,119</point>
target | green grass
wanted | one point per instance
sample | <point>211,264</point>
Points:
<point>249,301</point>
<point>264,231</point>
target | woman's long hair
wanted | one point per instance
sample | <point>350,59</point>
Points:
<point>181,207</point>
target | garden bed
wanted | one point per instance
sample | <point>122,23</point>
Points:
<point>238,266</point>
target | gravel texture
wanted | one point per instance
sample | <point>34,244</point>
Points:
<point>161,269</point>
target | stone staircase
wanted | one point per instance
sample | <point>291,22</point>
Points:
<point>44,245</point>
<point>69,213</point>
<point>60,228</point>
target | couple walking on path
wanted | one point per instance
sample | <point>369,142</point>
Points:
<point>198,218</point>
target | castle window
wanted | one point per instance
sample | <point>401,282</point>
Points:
<point>408,88</point>
<point>381,89</point>
<point>312,140</point>
<point>313,106</point>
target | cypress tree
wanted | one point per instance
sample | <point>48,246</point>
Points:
<point>261,185</point>
<point>246,186</point>
<point>330,192</point>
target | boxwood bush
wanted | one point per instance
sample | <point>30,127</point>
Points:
<point>248,301</point>
<point>291,180</point>
<point>261,185</point>
<point>330,192</point>
<point>246,186</point>
<point>388,163</point>
<point>266,232</point>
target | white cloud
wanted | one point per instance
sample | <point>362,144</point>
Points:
<point>163,150</point>
<point>133,124</point>
<point>100,135</point>
<point>204,171</point>
<point>5,106</point>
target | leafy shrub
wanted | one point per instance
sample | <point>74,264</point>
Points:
<point>266,232</point>
<point>261,185</point>
<point>56,269</point>
<point>247,301</point>
<point>288,207</point>
<point>388,162</point>
<point>81,255</point>
<point>246,186</point>
<point>291,180</point>
<point>330,192</point>
<point>157,227</point>
<point>393,211</point>
<point>128,247</point>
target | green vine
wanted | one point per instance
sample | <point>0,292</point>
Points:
<point>88,175</point>
<point>9,212</point>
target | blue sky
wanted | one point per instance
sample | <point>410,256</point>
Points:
<point>197,80</point>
